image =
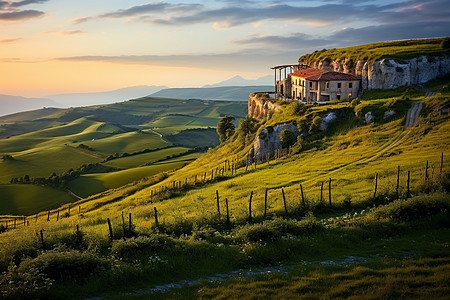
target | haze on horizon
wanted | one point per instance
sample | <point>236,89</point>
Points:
<point>55,46</point>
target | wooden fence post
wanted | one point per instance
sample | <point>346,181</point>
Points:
<point>156,216</point>
<point>442,164</point>
<point>265,204</point>
<point>218,204</point>
<point>42,237</point>
<point>123,224</point>
<point>110,229</point>
<point>68,212</point>
<point>79,209</point>
<point>250,207</point>
<point>426,172</point>
<point>329,191</point>
<point>14,223</point>
<point>408,194</point>
<point>228,213</point>
<point>151,196</point>
<point>321,192</point>
<point>129,222</point>
<point>398,182</point>
<point>57,216</point>
<point>375,186</point>
<point>48,216</point>
<point>303,204</point>
<point>284,201</point>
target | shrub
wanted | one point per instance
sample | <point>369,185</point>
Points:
<point>315,125</point>
<point>287,138</point>
<point>414,208</point>
<point>141,245</point>
<point>65,264</point>
<point>256,233</point>
<point>272,230</point>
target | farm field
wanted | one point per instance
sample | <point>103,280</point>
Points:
<point>120,138</point>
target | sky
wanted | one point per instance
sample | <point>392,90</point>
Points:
<point>61,46</point>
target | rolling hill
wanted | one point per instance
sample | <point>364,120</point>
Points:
<point>229,93</point>
<point>357,204</point>
<point>13,104</point>
<point>92,149</point>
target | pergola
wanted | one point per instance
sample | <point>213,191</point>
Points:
<point>281,68</point>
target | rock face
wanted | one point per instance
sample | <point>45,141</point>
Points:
<point>269,140</point>
<point>390,74</point>
<point>259,107</point>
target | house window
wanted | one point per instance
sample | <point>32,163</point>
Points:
<point>339,85</point>
<point>350,85</point>
<point>310,84</point>
<point>326,85</point>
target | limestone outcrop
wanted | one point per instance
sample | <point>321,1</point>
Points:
<point>389,73</point>
<point>259,106</point>
<point>269,140</point>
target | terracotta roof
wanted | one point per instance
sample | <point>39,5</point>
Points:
<point>318,74</point>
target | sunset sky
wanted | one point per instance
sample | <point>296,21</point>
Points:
<point>59,46</point>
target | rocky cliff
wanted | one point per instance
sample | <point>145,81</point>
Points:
<point>259,106</point>
<point>388,73</point>
<point>269,140</point>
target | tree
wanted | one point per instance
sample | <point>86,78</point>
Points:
<point>247,125</point>
<point>287,138</point>
<point>315,125</point>
<point>225,128</point>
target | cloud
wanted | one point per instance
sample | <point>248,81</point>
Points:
<point>26,2</point>
<point>20,15</point>
<point>66,32</point>
<point>259,62</point>
<point>151,8</point>
<point>9,41</point>
<point>81,20</point>
<point>348,36</point>
<point>9,10</point>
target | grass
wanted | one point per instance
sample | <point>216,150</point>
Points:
<point>17,199</point>
<point>372,52</point>
<point>91,184</point>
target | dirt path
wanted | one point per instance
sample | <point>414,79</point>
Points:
<point>75,195</point>
<point>243,273</point>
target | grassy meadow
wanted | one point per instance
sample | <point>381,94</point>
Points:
<point>375,51</point>
<point>166,228</point>
<point>129,141</point>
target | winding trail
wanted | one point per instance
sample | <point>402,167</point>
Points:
<point>242,273</point>
<point>75,195</point>
<point>160,136</point>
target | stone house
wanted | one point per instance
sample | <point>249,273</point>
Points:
<point>316,86</point>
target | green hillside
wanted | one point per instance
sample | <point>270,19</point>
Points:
<point>375,51</point>
<point>357,206</point>
<point>123,138</point>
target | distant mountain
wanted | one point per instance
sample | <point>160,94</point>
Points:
<point>239,81</point>
<point>233,93</point>
<point>86,99</point>
<point>13,104</point>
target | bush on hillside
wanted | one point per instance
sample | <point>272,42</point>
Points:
<point>287,138</point>
<point>141,245</point>
<point>65,264</point>
<point>273,230</point>
<point>413,208</point>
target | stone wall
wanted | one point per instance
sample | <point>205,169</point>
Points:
<point>389,73</point>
